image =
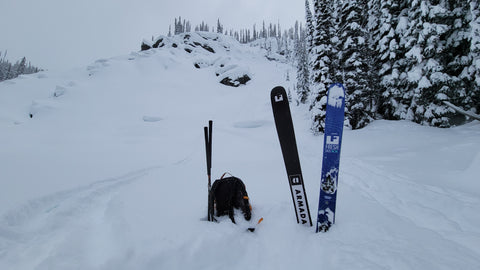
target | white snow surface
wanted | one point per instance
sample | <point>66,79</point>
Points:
<point>109,173</point>
<point>336,96</point>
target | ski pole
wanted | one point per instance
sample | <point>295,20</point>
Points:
<point>208,149</point>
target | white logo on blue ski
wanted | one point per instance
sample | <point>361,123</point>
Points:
<point>332,144</point>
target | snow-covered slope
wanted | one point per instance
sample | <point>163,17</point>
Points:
<point>109,173</point>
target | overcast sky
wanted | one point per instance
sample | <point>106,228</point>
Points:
<point>61,34</point>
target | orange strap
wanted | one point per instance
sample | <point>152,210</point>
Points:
<point>223,175</point>
<point>260,220</point>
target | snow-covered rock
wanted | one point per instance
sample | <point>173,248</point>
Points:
<point>201,45</point>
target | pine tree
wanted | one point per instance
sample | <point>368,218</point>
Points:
<point>310,29</point>
<point>456,56</point>
<point>21,66</point>
<point>2,68</point>
<point>178,26</point>
<point>355,65</point>
<point>264,31</point>
<point>389,54</point>
<point>433,86</point>
<point>321,54</point>
<point>396,100</point>
<point>474,69</point>
<point>411,65</point>
<point>303,74</point>
<point>219,27</point>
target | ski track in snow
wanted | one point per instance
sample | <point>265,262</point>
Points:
<point>432,208</point>
<point>51,224</point>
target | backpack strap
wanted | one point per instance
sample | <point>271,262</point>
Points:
<point>223,175</point>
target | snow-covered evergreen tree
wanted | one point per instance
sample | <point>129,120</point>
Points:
<point>474,69</point>
<point>390,54</point>
<point>20,67</point>
<point>355,63</point>
<point>219,27</point>
<point>3,68</point>
<point>410,66</point>
<point>178,26</point>
<point>303,72</point>
<point>309,26</point>
<point>435,84</point>
<point>321,54</point>
<point>9,71</point>
<point>456,56</point>
<point>263,34</point>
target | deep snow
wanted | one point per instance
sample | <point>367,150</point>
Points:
<point>110,174</point>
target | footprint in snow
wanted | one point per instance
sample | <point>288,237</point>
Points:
<point>250,124</point>
<point>147,118</point>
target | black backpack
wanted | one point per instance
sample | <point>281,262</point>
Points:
<point>229,193</point>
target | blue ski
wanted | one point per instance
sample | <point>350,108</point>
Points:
<point>331,156</point>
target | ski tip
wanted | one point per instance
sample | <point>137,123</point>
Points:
<point>277,90</point>
<point>278,95</point>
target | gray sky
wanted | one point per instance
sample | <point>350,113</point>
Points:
<point>61,34</point>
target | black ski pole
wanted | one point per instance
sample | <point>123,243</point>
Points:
<point>208,148</point>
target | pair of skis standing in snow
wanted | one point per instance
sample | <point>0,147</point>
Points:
<point>330,166</point>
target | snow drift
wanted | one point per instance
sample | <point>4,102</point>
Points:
<point>109,173</point>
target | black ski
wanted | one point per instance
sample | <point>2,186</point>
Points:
<point>286,136</point>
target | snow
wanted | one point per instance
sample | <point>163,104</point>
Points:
<point>111,174</point>
<point>424,83</point>
<point>416,53</point>
<point>336,96</point>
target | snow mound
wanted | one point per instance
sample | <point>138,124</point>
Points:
<point>203,47</point>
